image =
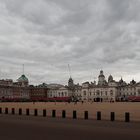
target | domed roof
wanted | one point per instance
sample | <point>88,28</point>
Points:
<point>101,74</point>
<point>22,78</point>
<point>110,78</point>
<point>121,80</point>
<point>133,82</point>
<point>70,79</point>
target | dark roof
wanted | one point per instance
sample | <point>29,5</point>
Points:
<point>22,78</point>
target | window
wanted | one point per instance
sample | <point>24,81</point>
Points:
<point>84,92</point>
<point>62,94</point>
<point>101,93</point>
<point>97,92</point>
<point>111,92</point>
<point>139,91</point>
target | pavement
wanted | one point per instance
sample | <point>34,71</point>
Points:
<point>14,127</point>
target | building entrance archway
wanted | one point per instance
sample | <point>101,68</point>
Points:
<point>98,99</point>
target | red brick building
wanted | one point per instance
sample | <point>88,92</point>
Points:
<point>38,93</point>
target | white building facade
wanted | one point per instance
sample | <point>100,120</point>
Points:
<point>101,91</point>
<point>107,91</point>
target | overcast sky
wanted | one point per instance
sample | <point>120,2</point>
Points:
<point>47,35</point>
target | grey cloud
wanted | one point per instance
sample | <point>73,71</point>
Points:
<point>47,35</point>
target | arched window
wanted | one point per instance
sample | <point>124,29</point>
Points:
<point>101,93</point>
<point>84,92</point>
<point>97,92</point>
<point>111,92</point>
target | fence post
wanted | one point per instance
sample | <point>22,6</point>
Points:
<point>74,114</point>
<point>53,113</point>
<point>112,116</point>
<point>20,111</point>
<point>127,117</point>
<point>0,110</point>
<point>63,114</point>
<point>13,111</point>
<point>6,110</point>
<point>98,115</point>
<point>86,115</point>
<point>44,112</point>
<point>27,112</point>
<point>35,112</point>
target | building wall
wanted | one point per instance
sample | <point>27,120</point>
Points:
<point>12,92</point>
<point>58,92</point>
<point>106,91</point>
<point>36,92</point>
<point>5,92</point>
<point>128,90</point>
<point>20,92</point>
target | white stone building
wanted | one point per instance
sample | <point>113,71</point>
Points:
<point>57,90</point>
<point>104,90</point>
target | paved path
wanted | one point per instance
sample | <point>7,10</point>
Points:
<point>39,128</point>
